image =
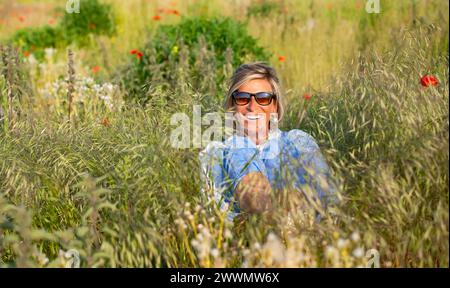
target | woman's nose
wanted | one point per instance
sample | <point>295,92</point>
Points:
<point>253,105</point>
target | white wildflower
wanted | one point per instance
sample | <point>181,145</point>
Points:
<point>49,52</point>
<point>341,243</point>
<point>214,252</point>
<point>355,237</point>
<point>358,252</point>
<point>228,234</point>
<point>32,60</point>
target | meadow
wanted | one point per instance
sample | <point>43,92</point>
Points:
<point>86,100</point>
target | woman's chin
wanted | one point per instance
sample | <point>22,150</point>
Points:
<point>256,136</point>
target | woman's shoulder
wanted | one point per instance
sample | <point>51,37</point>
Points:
<point>212,153</point>
<point>212,148</point>
<point>301,139</point>
<point>231,142</point>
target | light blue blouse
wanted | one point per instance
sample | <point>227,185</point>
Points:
<point>288,159</point>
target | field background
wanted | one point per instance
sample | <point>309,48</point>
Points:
<point>105,181</point>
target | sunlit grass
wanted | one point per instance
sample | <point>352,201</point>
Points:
<point>108,184</point>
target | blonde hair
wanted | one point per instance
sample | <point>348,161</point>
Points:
<point>250,71</point>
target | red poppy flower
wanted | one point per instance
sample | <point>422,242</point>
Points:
<point>105,122</point>
<point>136,52</point>
<point>51,21</point>
<point>95,69</point>
<point>429,80</point>
<point>307,96</point>
<point>156,17</point>
<point>358,5</point>
<point>281,58</point>
<point>21,18</point>
<point>173,11</point>
<point>26,54</point>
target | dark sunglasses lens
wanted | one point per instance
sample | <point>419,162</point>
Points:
<point>242,98</point>
<point>241,101</point>
<point>264,101</point>
<point>264,98</point>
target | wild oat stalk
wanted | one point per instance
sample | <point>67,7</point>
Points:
<point>385,137</point>
<point>3,75</point>
<point>104,52</point>
<point>70,81</point>
<point>10,82</point>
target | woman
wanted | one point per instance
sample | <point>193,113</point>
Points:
<point>247,171</point>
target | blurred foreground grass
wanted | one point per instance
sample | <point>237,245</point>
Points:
<point>109,185</point>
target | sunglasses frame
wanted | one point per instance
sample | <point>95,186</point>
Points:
<point>255,95</point>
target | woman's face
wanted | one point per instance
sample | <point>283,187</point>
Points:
<point>254,116</point>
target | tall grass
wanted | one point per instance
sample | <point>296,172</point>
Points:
<point>110,186</point>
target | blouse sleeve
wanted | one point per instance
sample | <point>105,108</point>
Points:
<point>223,165</point>
<point>313,165</point>
<point>212,174</point>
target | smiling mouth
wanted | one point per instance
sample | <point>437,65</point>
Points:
<point>253,117</point>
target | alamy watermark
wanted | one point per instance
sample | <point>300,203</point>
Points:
<point>73,6</point>
<point>373,6</point>
<point>373,258</point>
<point>186,134</point>
<point>72,257</point>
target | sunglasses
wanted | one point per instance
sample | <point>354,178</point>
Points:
<point>243,98</point>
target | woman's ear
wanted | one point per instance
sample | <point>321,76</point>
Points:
<point>276,105</point>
